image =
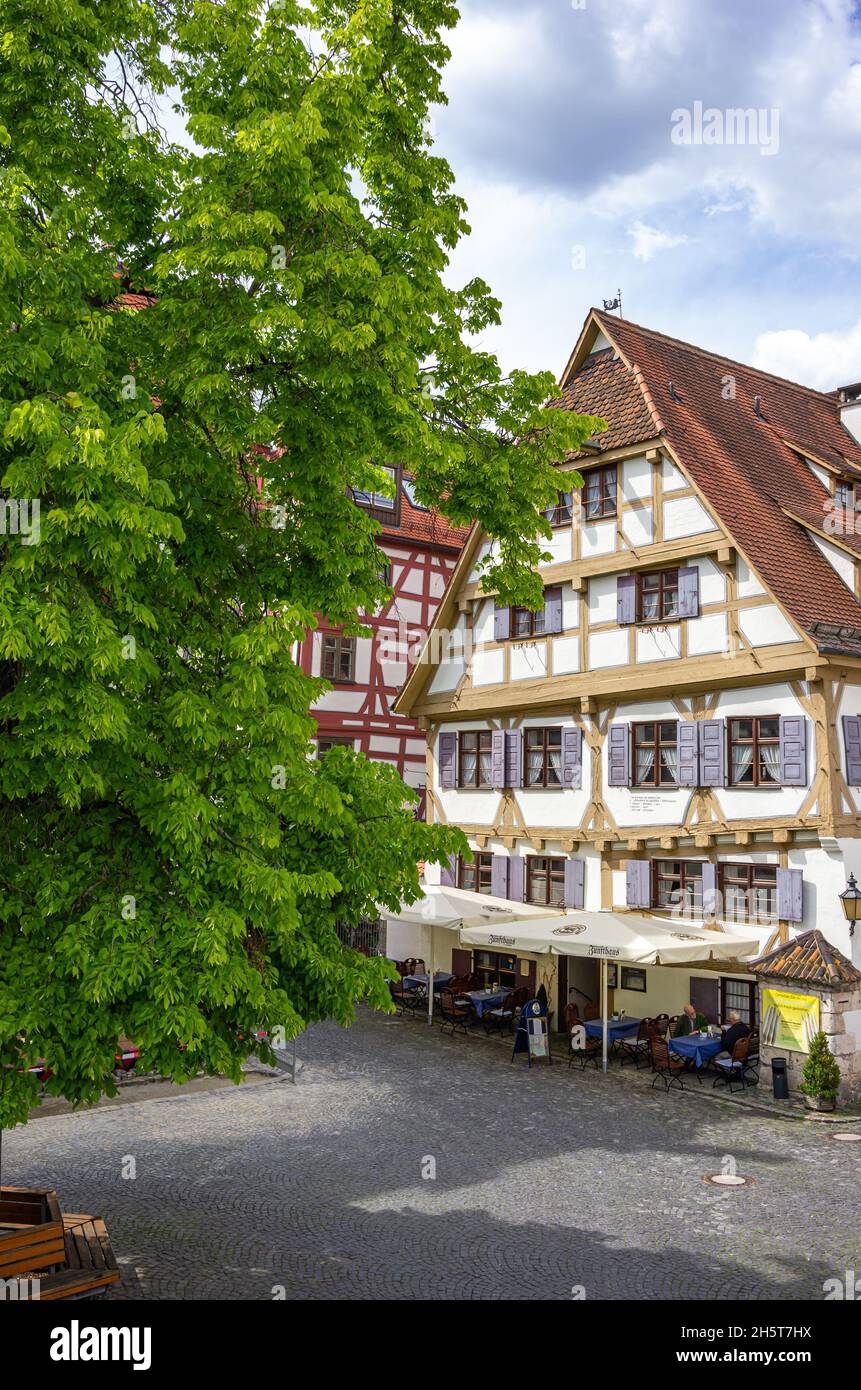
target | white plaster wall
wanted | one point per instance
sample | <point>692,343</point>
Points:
<point>672,477</point>
<point>658,644</point>
<point>484,549</point>
<point>528,660</point>
<point>707,634</point>
<point>570,607</point>
<point>765,625</point>
<point>851,417</point>
<point>608,649</point>
<point>597,538</point>
<point>638,525</point>
<point>686,516</point>
<point>602,599</point>
<point>558,546</point>
<point>566,655</point>
<point>413,580</point>
<point>746,581</point>
<point>488,668</point>
<point>482,624</point>
<point>744,802</point>
<point>636,479</point>
<point>838,559</point>
<point>451,656</point>
<point>712,581</point>
<point>821,474</point>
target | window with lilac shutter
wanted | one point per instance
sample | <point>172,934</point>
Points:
<point>448,760</point>
<point>626,599</point>
<point>575,878</point>
<point>448,873</point>
<point>790,895</point>
<point>513,759</point>
<point>497,759</point>
<point>689,592</point>
<point>501,623</point>
<point>852,746</point>
<point>793,750</point>
<point>553,609</point>
<point>638,883</point>
<point>572,756</point>
<point>618,756</point>
<point>688,753</point>
<point>712,753</point>
<point>517,879</point>
<point>499,876</point>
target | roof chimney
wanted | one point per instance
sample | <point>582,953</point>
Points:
<point>850,409</point>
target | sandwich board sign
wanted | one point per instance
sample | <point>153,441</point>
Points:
<point>533,1034</point>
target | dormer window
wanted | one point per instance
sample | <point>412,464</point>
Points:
<point>383,508</point>
<point>844,494</point>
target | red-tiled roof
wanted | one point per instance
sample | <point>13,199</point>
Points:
<point>604,387</point>
<point>738,459</point>
<point>422,527</point>
<point>809,957</point>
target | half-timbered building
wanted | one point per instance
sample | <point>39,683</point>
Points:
<point>421,550</point>
<point>677,733</point>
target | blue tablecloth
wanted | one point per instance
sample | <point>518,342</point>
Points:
<point>696,1046</point>
<point>485,999</point>
<point>615,1031</point>
<point>441,978</point>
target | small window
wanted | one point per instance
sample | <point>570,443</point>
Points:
<point>543,758</point>
<point>383,508</point>
<point>339,657</point>
<point>678,884</point>
<point>749,892</point>
<point>739,997</point>
<point>545,880</point>
<point>561,512</point>
<point>477,875</point>
<point>658,596</point>
<point>599,492</point>
<point>754,752</point>
<point>844,494</point>
<point>475,759</point>
<point>329,742</point>
<point>526,623</point>
<point>409,488</point>
<point>386,575</point>
<point>656,753</point>
<point>495,969</point>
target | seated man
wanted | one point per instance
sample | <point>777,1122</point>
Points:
<point>734,1030</point>
<point>691,1021</point>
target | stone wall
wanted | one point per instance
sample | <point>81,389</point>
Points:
<point>840,1020</point>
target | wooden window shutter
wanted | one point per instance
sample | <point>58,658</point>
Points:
<point>688,752</point>
<point>517,879</point>
<point>619,756</point>
<point>852,745</point>
<point>448,875</point>
<point>572,756</point>
<point>712,753</point>
<point>790,895</point>
<point>448,760</point>
<point>638,883</point>
<point>499,876</point>
<point>575,879</point>
<point>553,609</point>
<point>689,592</point>
<point>513,759</point>
<point>793,750</point>
<point>501,623</point>
<point>710,901</point>
<point>705,997</point>
<point>497,759</point>
<point>461,963</point>
<point>626,599</point>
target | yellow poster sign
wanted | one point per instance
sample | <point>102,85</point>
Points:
<point>789,1020</point>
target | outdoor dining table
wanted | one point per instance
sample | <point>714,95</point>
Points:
<point>696,1047</point>
<point>616,1028</point>
<point>485,999</point>
<point>440,980</point>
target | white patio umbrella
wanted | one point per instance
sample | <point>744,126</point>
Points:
<point>607,936</point>
<point>458,908</point>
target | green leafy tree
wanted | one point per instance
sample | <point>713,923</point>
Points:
<point>821,1075</point>
<point>172,861</point>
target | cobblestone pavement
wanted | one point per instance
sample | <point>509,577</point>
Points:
<point>545,1181</point>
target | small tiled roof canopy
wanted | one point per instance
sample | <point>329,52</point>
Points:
<point>740,433</point>
<point>809,958</point>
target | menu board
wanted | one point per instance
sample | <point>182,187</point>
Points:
<point>789,1020</point>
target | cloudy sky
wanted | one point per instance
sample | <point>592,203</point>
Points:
<point>563,129</point>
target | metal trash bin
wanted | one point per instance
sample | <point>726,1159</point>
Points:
<point>779,1083</point>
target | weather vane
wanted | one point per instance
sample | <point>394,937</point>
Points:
<point>610,304</point>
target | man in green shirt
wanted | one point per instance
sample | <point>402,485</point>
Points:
<point>690,1022</point>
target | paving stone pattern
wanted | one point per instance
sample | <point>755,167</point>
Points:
<point>545,1182</point>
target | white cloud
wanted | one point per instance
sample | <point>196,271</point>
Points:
<point>648,241</point>
<point>821,360</point>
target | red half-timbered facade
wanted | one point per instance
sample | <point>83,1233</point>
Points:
<point>366,673</point>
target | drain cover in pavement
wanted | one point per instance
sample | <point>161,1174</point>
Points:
<point>727,1180</point>
<point>848,1138</point>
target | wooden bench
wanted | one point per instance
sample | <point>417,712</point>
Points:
<point>90,1265</point>
<point>68,1253</point>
